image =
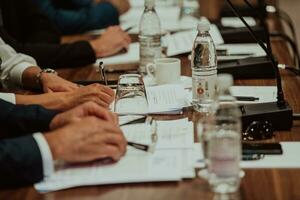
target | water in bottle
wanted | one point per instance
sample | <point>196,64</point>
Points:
<point>224,145</point>
<point>149,36</point>
<point>204,68</point>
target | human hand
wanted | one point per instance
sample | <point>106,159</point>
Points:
<point>87,140</point>
<point>85,110</point>
<point>113,40</point>
<point>100,94</point>
<point>54,83</point>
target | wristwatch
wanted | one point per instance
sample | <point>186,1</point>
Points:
<point>48,71</point>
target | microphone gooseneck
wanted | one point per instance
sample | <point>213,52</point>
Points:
<point>280,95</point>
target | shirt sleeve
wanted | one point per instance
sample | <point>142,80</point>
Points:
<point>13,65</point>
<point>9,97</point>
<point>47,159</point>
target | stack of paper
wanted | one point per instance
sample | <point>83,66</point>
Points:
<point>162,99</point>
<point>167,163</point>
<point>264,94</point>
<point>240,51</point>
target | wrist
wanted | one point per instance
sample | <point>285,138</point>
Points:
<point>99,50</point>
<point>43,75</point>
<point>53,141</point>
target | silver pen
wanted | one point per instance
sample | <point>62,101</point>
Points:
<point>103,73</point>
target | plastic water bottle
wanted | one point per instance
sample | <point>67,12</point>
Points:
<point>224,145</point>
<point>190,8</point>
<point>149,36</point>
<point>204,68</point>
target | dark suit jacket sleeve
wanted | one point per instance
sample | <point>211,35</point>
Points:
<point>20,162</point>
<point>54,55</point>
<point>82,17</point>
<point>16,120</point>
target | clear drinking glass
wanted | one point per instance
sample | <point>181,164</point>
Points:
<point>205,127</point>
<point>131,95</point>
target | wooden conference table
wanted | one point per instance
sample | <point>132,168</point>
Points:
<point>258,184</point>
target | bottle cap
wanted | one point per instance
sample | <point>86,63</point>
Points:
<point>149,3</point>
<point>203,26</point>
<point>225,81</point>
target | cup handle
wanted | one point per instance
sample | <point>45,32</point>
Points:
<point>151,68</point>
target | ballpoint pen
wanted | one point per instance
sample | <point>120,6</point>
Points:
<point>142,147</point>
<point>103,73</point>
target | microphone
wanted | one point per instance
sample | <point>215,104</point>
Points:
<point>278,113</point>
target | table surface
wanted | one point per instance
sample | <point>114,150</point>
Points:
<point>258,184</point>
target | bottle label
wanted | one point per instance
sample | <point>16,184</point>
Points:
<point>204,85</point>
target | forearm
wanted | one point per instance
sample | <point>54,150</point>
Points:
<point>20,162</point>
<point>52,101</point>
<point>16,120</point>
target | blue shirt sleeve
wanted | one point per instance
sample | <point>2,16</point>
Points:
<point>70,21</point>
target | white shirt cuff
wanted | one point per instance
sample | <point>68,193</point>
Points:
<point>48,164</point>
<point>17,72</point>
<point>9,97</point>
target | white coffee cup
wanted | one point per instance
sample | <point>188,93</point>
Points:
<point>165,70</point>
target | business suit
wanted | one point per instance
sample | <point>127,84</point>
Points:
<point>78,16</point>
<point>30,32</point>
<point>20,157</point>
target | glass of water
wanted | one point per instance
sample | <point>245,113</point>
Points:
<point>131,95</point>
<point>205,127</point>
<point>224,154</point>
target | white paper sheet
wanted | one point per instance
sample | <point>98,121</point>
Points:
<point>182,42</point>
<point>136,166</point>
<point>254,50</point>
<point>171,134</point>
<point>289,159</point>
<point>265,94</point>
<point>164,98</point>
<point>132,56</point>
<point>169,18</point>
<point>235,22</point>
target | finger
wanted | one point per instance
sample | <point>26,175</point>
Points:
<point>99,101</point>
<point>108,151</point>
<point>100,112</point>
<point>127,38</point>
<point>116,138</point>
<point>105,97</point>
<point>108,90</point>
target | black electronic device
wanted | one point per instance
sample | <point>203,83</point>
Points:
<point>241,35</point>
<point>248,68</point>
<point>278,113</point>
<point>262,148</point>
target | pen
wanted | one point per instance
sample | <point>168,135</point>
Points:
<point>224,52</point>
<point>102,68</point>
<point>142,147</point>
<point>135,121</point>
<point>245,98</point>
<point>128,29</point>
<point>248,157</point>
